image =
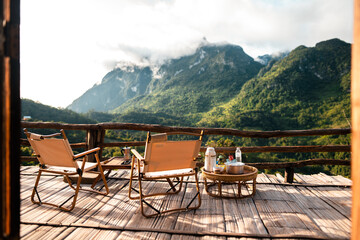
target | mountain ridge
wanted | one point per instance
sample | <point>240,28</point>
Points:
<point>306,80</point>
<point>195,89</point>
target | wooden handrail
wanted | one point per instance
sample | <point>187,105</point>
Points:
<point>297,164</point>
<point>318,148</point>
<point>267,165</point>
<point>314,148</point>
<point>207,131</point>
<point>96,133</point>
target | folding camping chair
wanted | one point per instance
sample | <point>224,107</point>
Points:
<point>165,160</point>
<point>56,156</point>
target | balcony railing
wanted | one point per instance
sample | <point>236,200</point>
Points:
<point>95,134</point>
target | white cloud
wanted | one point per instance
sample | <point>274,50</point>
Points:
<point>69,45</point>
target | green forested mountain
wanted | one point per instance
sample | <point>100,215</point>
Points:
<point>45,113</point>
<point>310,88</point>
<point>221,86</point>
<point>118,86</point>
<point>196,83</point>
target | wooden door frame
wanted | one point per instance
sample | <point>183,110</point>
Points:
<point>355,125</point>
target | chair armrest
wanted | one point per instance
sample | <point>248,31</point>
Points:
<point>137,155</point>
<point>86,152</point>
<point>105,161</point>
<point>50,136</point>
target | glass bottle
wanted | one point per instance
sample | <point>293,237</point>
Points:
<point>238,155</point>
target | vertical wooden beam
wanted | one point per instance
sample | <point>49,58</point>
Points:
<point>93,139</point>
<point>101,141</point>
<point>10,119</point>
<point>289,175</point>
<point>355,124</point>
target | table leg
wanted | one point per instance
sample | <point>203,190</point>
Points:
<point>254,186</point>
<point>219,187</point>
<point>239,189</point>
<point>206,186</point>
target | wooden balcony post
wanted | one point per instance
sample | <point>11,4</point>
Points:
<point>289,175</point>
<point>100,142</point>
<point>93,138</point>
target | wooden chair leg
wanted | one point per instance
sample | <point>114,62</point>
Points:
<point>171,184</point>
<point>140,193</point>
<point>131,179</point>
<point>158,212</point>
<point>173,187</point>
<point>198,191</point>
<point>102,176</point>
<point>35,189</point>
<point>69,182</point>
<point>74,197</point>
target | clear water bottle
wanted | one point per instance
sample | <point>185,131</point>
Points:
<point>238,155</point>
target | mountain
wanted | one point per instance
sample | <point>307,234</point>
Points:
<point>196,83</point>
<point>190,84</point>
<point>45,113</point>
<point>221,86</point>
<point>118,86</point>
<point>309,88</point>
<point>265,59</point>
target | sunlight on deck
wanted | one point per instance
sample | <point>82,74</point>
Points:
<point>315,207</point>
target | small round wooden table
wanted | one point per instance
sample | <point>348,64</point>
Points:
<point>250,174</point>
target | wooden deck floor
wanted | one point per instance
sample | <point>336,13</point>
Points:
<point>317,207</point>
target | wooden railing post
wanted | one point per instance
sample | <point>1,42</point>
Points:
<point>101,142</point>
<point>289,175</point>
<point>93,138</point>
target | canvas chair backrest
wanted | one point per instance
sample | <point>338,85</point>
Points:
<point>52,151</point>
<point>163,155</point>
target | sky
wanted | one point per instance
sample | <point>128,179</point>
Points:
<point>67,46</point>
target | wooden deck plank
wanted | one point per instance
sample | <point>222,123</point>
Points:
<point>276,210</point>
<point>280,178</point>
<point>343,180</point>
<point>25,229</point>
<point>182,199</point>
<point>319,212</point>
<point>337,198</point>
<point>262,178</point>
<point>47,232</point>
<point>98,213</point>
<point>283,215</point>
<point>298,178</point>
<point>246,214</point>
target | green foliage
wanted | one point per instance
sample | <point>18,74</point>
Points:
<point>194,84</point>
<point>118,86</point>
<point>44,113</point>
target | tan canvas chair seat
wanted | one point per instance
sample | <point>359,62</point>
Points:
<point>56,156</point>
<point>163,159</point>
<point>163,174</point>
<point>88,166</point>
